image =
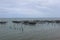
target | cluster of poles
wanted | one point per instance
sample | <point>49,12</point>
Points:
<point>31,22</point>
<point>28,22</point>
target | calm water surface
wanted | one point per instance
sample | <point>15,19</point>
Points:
<point>45,31</point>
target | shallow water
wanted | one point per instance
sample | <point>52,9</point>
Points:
<point>45,31</point>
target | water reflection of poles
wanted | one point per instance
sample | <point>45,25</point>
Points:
<point>3,23</point>
<point>18,22</point>
<point>22,28</point>
<point>30,23</point>
<point>10,27</point>
<point>24,23</point>
<point>15,22</point>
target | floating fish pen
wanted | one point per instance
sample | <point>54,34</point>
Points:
<point>49,21</point>
<point>52,21</point>
<point>32,23</point>
<point>16,21</point>
<point>57,21</point>
<point>29,22</point>
<point>44,21</point>
<point>2,22</point>
<point>25,22</point>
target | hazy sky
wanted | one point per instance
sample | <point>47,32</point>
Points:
<point>29,8</point>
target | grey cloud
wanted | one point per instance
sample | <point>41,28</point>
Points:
<point>29,8</point>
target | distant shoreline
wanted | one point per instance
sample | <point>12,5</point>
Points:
<point>33,18</point>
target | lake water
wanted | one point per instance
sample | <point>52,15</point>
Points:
<point>44,31</point>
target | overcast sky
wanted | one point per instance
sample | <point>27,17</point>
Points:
<point>29,8</point>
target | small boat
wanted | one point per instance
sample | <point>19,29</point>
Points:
<point>1,22</point>
<point>57,21</point>
<point>32,23</point>
<point>16,21</point>
<point>29,22</point>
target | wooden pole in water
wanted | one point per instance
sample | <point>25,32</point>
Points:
<point>22,26</point>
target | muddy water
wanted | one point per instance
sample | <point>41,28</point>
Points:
<point>45,31</point>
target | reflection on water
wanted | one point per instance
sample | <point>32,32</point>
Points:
<point>46,31</point>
